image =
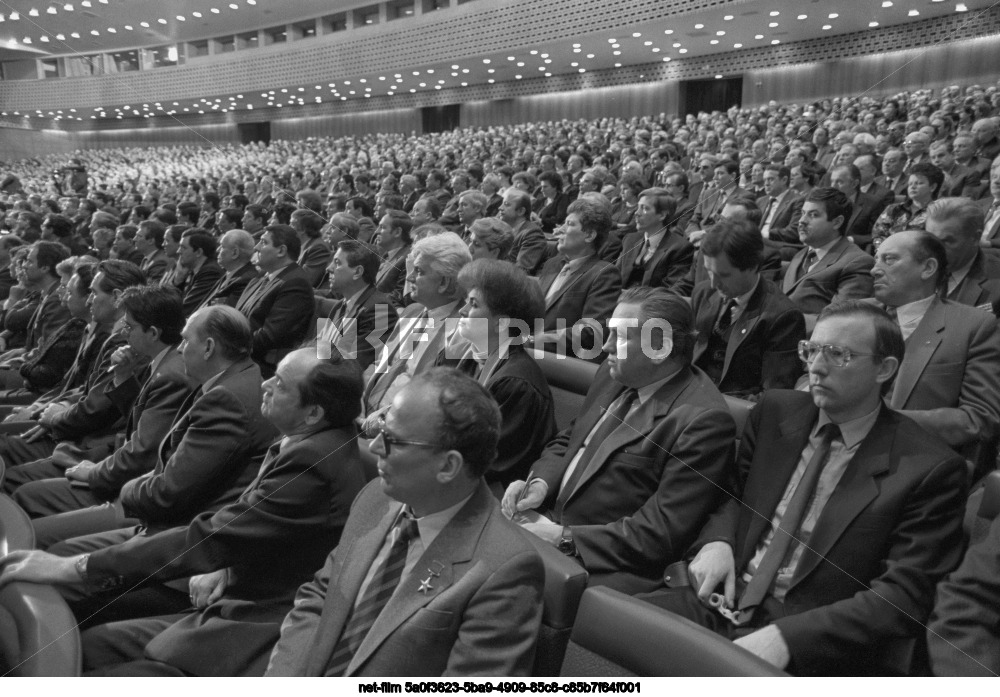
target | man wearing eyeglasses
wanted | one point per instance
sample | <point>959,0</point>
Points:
<point>844,515</point>
<point>949,382</point>
<point>429,577</point>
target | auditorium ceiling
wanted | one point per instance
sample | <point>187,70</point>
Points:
<point>675,30</point>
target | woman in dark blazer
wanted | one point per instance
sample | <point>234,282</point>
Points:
<point>499,295</point>
<point>553,202</point>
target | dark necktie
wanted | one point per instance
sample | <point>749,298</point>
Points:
<point>726,318</point>
<point>807,262</point>
<point>612,419</point>
<point>640,259</point>
<point>784,537</point>
<point>767,210</point>
<point>380,590</point>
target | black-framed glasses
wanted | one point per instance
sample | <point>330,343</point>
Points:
<point>388,440</point>
<point>837,355</point>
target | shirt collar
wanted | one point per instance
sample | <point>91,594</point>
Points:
<point>210,383</point>
<point>912,313</point>
<point>441,312</point>
<point>155,365</point>
<point>647,391</point>
<point>351,302</point>
<point>431,525</point>
<point>824,250</point>
<point>853,431</point>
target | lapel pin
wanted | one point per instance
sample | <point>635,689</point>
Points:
<point>425,585</point>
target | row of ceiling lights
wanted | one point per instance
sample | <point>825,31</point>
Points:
<point>53,9</point>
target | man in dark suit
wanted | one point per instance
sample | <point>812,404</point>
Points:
<point>867,168</point>
<point>149,242</point>
<point>964,146</point>
<point>949,382</point>
<point>234,256</point>
<point>41,274</point>
<point>392,239</point>
<point>530,248</point>
<point>843,515</point>
<point>780,210</point>
<point>84,413</point>
<point>829,268</point>
<point>253,552</point>
<point>469,591</point>
<point>973,273</point>
<point>279,304</point>
<point>654,255</point>
<point>314,255</point>
<point>215,442</point>
<point>360,323</point>
<point>865,209</point>
<point>52,487</point>
<point>727,176</point>
<point>958,180</point>
<point>962,636</point>
<point>628,485</point>
<point>748,330</point>
<point>196,254</point>
<point>893,175</point>
<point>577,285</point>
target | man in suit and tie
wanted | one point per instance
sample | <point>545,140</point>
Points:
<point>893,174</point>
<point>82,414</point>
<point>626,487</point>
<point>726,180</point>
<point>530,248</point>
<point>991,209</point>
<point>196,255</point>
<point>748,330</point>
<point>149,243</point>
<point>655,254</point>
<point>427,326</point>
<point>409,189</point>
<point>41,274</point>
<point>865,209</point>
<point>868,184</point>
<point>361,321</point>
<point>279,304</point>
<point>973,273</point>
<point>392,239</point>
<point>781,209</point>
<point>426,559</point>
<point>580,289</point>
<point>234,256</point>
<point>964,147</point>
<point>252,554</point>
<point>843,516</point>
<point>958,180</point>
<point>315,254</point>
<point>829,268</point>
<point>949,382</point>
<point>48,489</point>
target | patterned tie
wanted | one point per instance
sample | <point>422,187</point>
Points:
<point>380,590</point>
<point>784,537</point>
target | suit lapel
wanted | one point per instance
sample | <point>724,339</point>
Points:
<point>349,570</point>
<point>705,323</point>
<point>789,282</point>
<point>920,348</point>
<point>764,492</point>
<point>637,425</point>
<point>744,326</point>
<point>853,493</point>
<point>455,545</point>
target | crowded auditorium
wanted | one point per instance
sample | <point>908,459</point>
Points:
<point>587,339</point>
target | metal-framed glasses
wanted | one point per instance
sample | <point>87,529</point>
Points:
<point>389,440</point>
<point>837,355</point>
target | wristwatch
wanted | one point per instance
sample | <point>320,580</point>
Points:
<point>566,544</point>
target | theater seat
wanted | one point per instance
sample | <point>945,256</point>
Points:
<point>565,581</point>
<point>740,409</point>
<point>38,634</point>
<point>617,636</point>
<point>569,379</point>
<point>982,508</point>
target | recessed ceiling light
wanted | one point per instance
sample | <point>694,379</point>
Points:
<point>801,17</point>
<point>486,61</point>
<point>215,11</point>
<point>517,77</point>
<point>714,42</point>
<point>45,39</point>
<point>647,43</point>
<point>196,14</point>
<point>960,7</point>
<point>775,42</point>
<point>534,53</point>
<point>913,13</point>
<point>94,32</point>
<point>728,18</point>
<point>590,56</point>
<point>683,50</point>
<point>759,37</point>
<point>699,26</point>
<point>668,32</point>
<point>75,35</point>
<point>827,27</point>
<point>544,55</point>
<point>636,35</point>
<point>666,59</point>
<point>737,45</point>
<point>834,15</point>
<point>656,50</point>
<point>573,65</point>
<point>27,40</point>
<point>112,30</point>
<point>718,77</point>
<point>887,3</point>
<point>52,9</point>
<point>162,21</point>
<point>872,24</point>
<point>618,65</point>
<point>677,45</point>
<point>60,37</point>
<point>619,45</point>
<point>32,12</point>
<point>772,25</point>
<point>233,6</point>
<point>576,45</point>
<point>144,25</point>
<point>68,7</point>
<point>583,70</point>
<point>491,71</point>
<point>720,33</point>
<point>521,65</point>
